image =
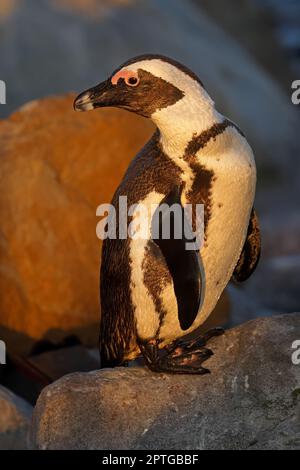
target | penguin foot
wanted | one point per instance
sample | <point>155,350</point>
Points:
<point>180,357</point>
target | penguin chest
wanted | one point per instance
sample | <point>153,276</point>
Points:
<point>226,187</point>
<point>230,203</point>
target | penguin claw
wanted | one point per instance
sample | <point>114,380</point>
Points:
<point>179,360</point>
<point>218,331</point>
<point>202,354</point>
<point>180,357</point>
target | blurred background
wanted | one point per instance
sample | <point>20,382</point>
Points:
<point>57,166</point>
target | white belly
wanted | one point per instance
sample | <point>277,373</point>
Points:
<point>146,316</point>
<point>232,200</point>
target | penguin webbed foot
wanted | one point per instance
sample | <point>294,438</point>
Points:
<point>198,342</point>
<point>180,357</point>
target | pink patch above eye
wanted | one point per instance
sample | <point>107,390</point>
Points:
<point>126,74</point>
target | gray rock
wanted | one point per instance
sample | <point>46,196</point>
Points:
<point>275,284</point>
<point>281,230</point>
<point>15,416</point>
<point>273,288</point>
<point>251,400</point>
<point>245,306</point>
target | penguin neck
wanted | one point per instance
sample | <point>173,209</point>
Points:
<point>179,123</point>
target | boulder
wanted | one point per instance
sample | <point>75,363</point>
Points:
<point>56,167</point>
<point>15,416</point>
<point>251,400</point>
<point>281,232</point>
<point>274,286</point>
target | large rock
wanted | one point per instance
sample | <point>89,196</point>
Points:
<point>56,167</point>
<point>15,416</point>
<point>251,400</point>
<point>274,287</point>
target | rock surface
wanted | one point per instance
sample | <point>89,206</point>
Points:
<point>274,286</point>
<point>251,400</point>
<point>15,416</point>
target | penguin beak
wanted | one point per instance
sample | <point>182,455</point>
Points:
<point>97,97</point>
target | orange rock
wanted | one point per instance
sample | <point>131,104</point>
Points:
<point>56,167</point>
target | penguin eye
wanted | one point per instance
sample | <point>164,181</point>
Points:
<point>132,81</point>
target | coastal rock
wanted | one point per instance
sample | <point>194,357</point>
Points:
<point>56,167</point>
<point>251,399</point>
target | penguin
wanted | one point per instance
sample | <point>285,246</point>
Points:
<point>154,291</point>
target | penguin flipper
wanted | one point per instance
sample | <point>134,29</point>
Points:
<point>183,263</point>
<point>251,252</point>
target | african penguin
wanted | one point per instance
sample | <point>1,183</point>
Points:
<point>154,291</point>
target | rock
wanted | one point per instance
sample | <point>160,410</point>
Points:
<point>7,7</point>
<point>281,232</point>
<point>55,363</point>
<point>275,284</point>
<point>245,306</point>
<point>15,416</point>
<point>74,31</point>
<point>56,167</point>
<point>90,8</point>
<point>251,400</point>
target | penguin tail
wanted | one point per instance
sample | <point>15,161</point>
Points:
<point>111,362</point>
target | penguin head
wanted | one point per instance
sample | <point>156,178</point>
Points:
<point>145,85</point>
